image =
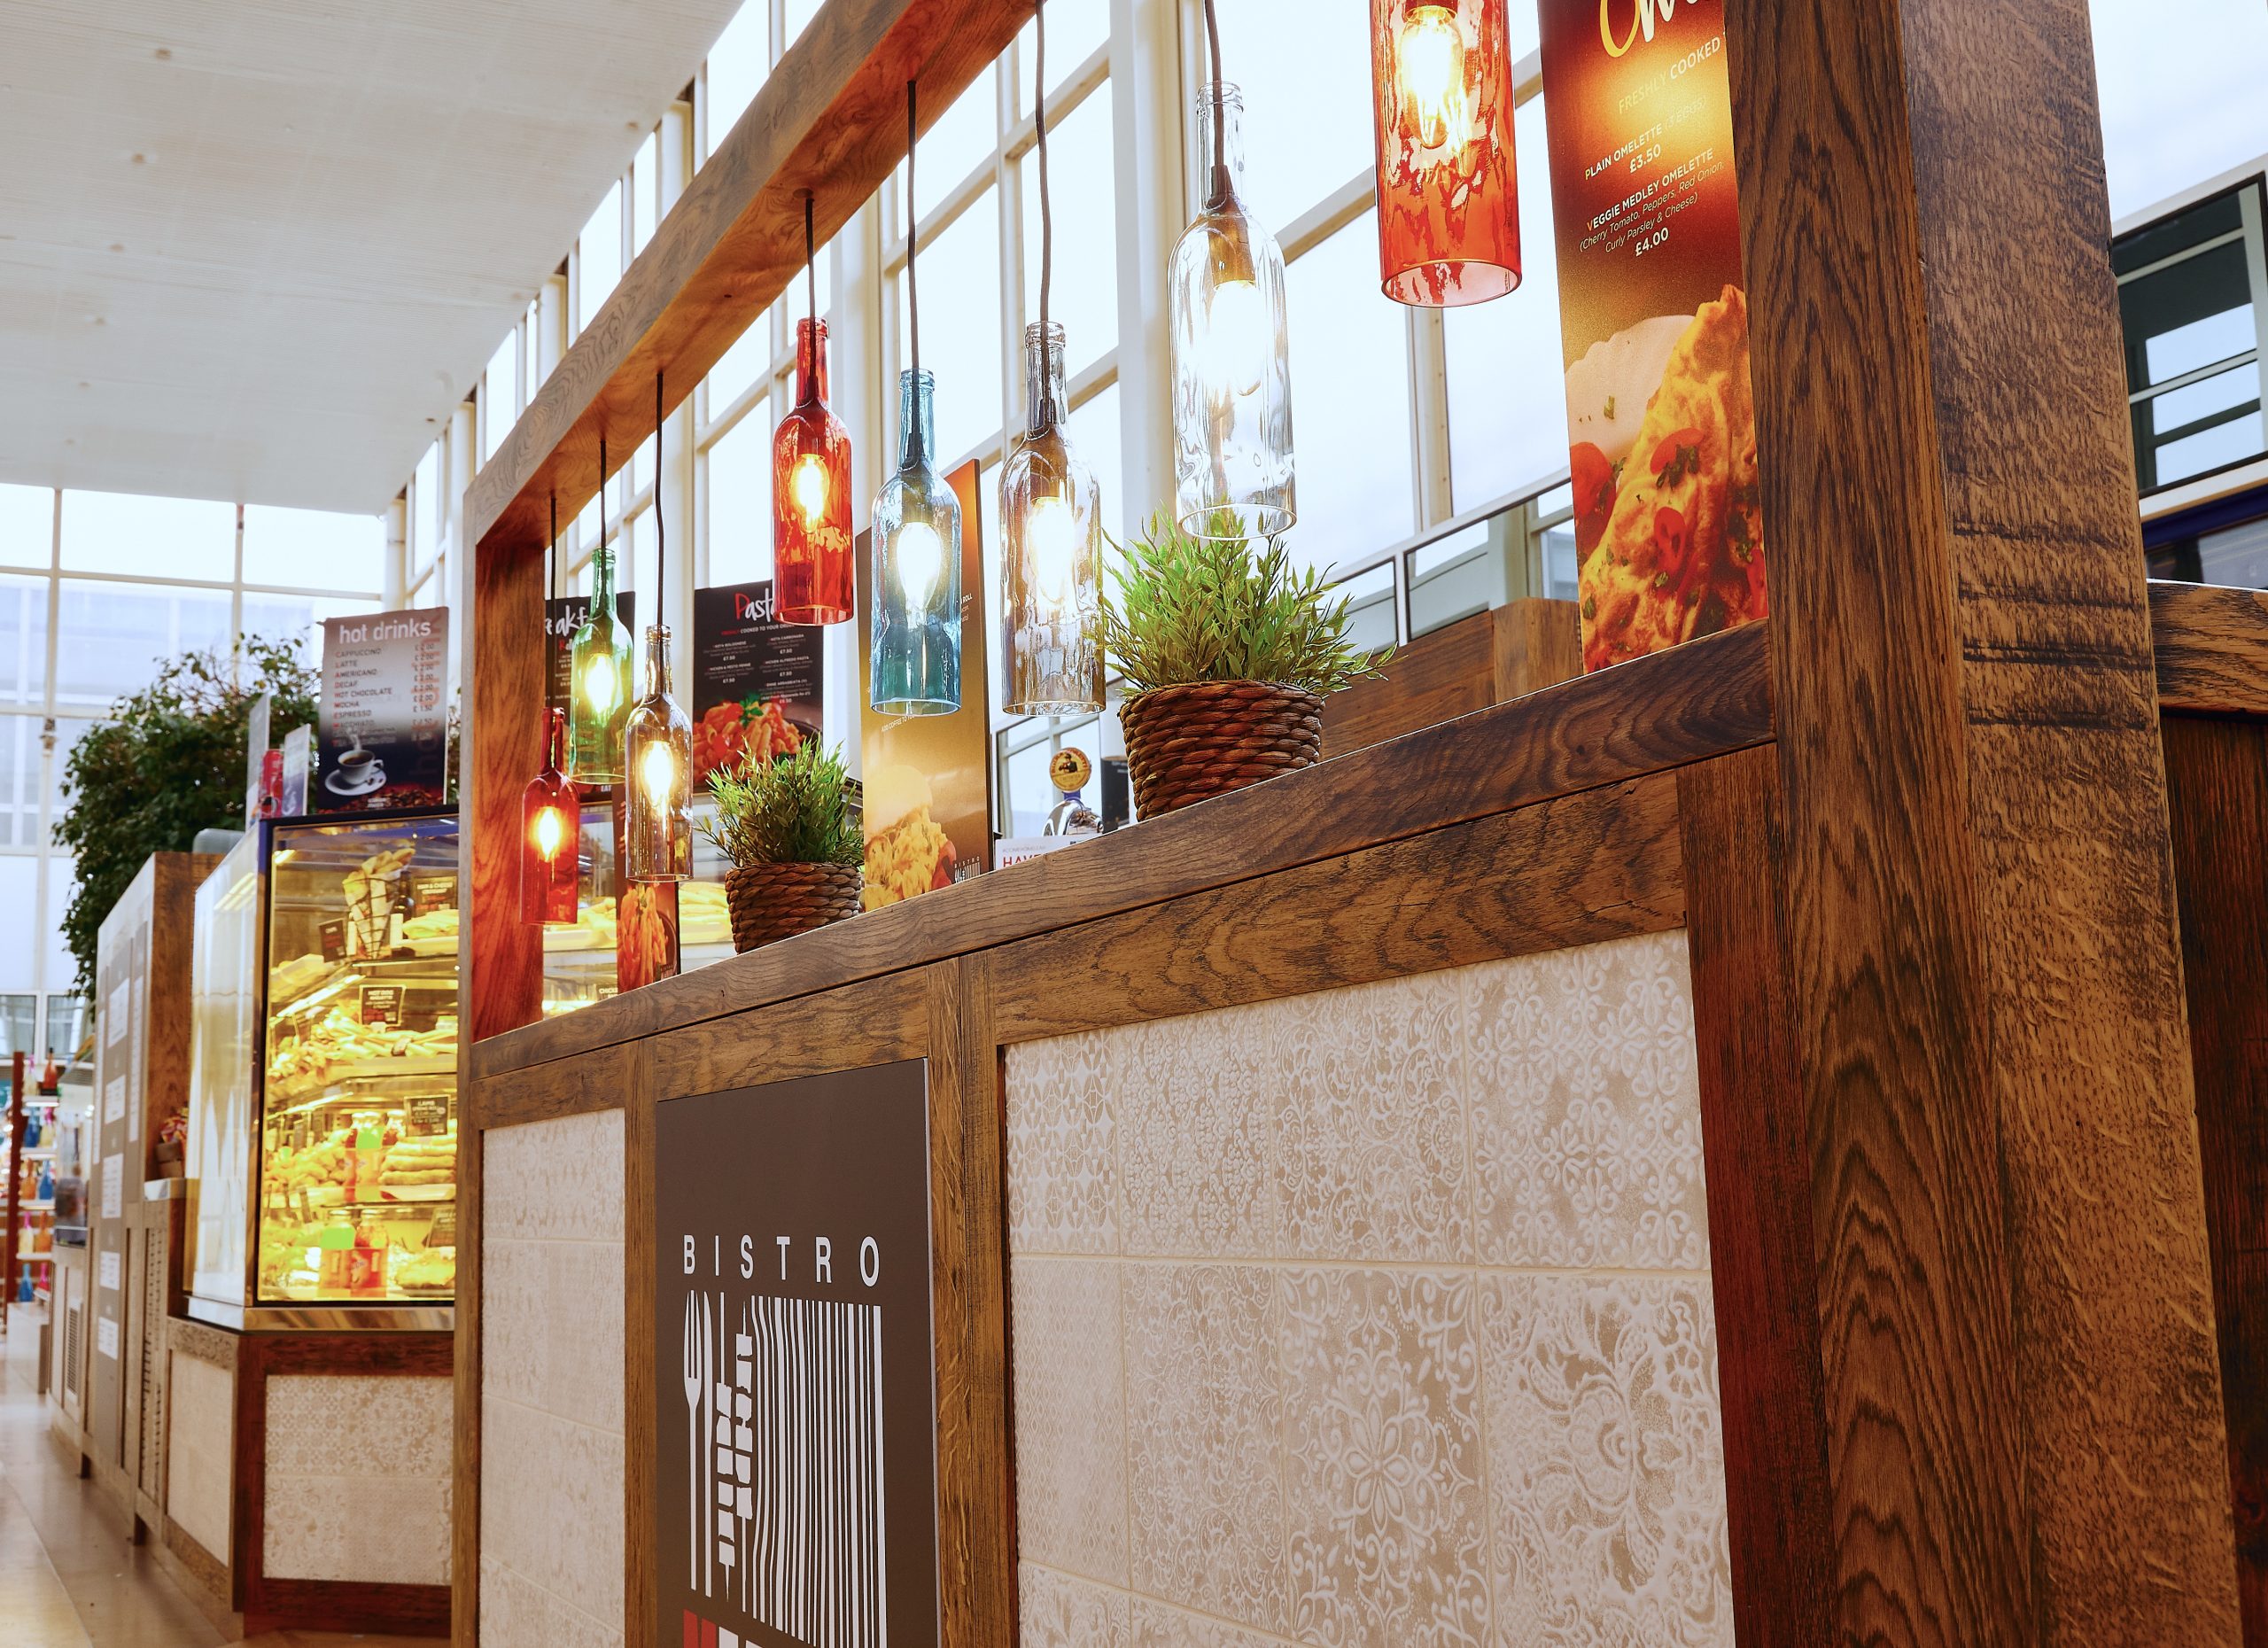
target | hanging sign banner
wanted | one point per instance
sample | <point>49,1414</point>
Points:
<point>755,682</point>
<point>384,725</point>
<point>794,1482</point>
<point>1653,310</point>
<point>927,778</point>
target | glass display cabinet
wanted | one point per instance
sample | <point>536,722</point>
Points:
<point>343,1184</point>
<point>582,964</point>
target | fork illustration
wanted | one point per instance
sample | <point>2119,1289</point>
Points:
<point>693,1384</point>
<point>708,1452</point>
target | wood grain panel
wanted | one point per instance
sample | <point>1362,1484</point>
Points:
<point>1649,715</point>
<point>465,1446</point>
<point>874,1022</point>
<point>641,1412</point>
<point>1435,678</point>
<point>2211,647</point>
<point>2216,783</point>
<point>1756,1140</point>
<point>500,960</point>
<point>1539,644</point>
<point>977,1539</point>
<point>599,1080</point>
<point>1600,864</point>
<point>830,120</point>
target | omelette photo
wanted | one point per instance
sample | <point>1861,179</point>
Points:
<point>1679,544</point>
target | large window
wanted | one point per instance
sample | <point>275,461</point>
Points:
<point>98,591</point>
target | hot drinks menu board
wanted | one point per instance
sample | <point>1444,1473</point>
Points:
<point>755,683</point>
<point>561,620</point>
<point>1654,312</point>
<point>384,722</point>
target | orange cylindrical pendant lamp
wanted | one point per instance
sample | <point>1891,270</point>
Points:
<point>551,833</point>
<point>1448,198</point>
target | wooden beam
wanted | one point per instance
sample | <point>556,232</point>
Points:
<point>2022,1413</point>
<point>1648,716</point>
<point>830,120</point>
<point>2212,648</point>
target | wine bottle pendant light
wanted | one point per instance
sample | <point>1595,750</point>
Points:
<point>598,670</point>
<point>1051,516</point>
<point>1449,196</point>
<point>914,641</point>
<point>657,739</point>
<point>550,816</point>
<point>1233,471</point>
<point>812,540</point>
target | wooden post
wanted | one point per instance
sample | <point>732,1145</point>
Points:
<point>2022,1415</point>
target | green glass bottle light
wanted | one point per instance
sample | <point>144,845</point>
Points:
<point>599,670</point>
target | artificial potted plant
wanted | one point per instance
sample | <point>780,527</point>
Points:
<point>794,840</point>
<point>1228,653</point>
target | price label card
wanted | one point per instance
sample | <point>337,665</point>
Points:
<point>106,1337</point>
<point>428,1117</point>
<point>381,1004</point>
<point>113,1186</point>
<point>444,1233</point>
<point>109,1271</point>
<point>333,937</point>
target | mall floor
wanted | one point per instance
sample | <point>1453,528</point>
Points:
<point>69,1577</point>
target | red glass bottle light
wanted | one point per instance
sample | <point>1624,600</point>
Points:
<point>550,836</point>
<point>812,539</point>
<point>1448,197</point>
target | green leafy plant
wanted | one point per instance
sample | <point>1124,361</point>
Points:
<point>1193,608</point>
<point>168,762</point>
<point>794,810</point>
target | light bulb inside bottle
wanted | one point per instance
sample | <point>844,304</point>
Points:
<point>658,770</point>
<point>1237,336</point>
<point>550,833</point>
<point>920,558</point>
<point>809,488</point>
<point>1050,548</point>
<point>1430,63</point>
<point>599,684</point>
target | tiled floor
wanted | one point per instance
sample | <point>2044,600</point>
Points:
<point>69,1578</point>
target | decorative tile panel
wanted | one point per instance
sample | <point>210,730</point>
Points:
<point>200,1443</point>
<point>1057,1611</point>
<point>1062,1152</point>
<point>1070,1415</point>
<point>1412,1318</point>
<point>552,1355</point>
<point>1586,1109</point>
<point>1606,1462</point>
<point>1382,1418</point>
<point>1204,1416</point>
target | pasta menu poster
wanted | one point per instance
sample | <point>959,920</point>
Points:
<point>1654,310</point>
<point>756,681</point>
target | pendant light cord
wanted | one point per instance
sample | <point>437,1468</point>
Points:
<point>1220,112</point>
<point>661,531</point>
<point>551,557</point>
<point>811,270</point>
<point>1046,217</point>
<point>601,491</point>
<point>912,225</point>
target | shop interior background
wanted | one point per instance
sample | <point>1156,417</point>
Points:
<point>1466,509</point>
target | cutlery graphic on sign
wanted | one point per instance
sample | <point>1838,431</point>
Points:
<point>693,1382</point>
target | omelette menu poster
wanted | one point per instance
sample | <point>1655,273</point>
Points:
<point>1654,310</point>
<point>383,721</point>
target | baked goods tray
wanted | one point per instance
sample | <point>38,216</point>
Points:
<point>418,1192</point>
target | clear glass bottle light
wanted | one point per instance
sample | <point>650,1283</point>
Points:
<point>1231,358</point>
<point>599,682</point>
<point>657,755</point>
<point>916,644</point>
<point>1050,551</point>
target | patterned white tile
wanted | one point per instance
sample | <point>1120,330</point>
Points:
<point>1370,1116</point>
<point>1058,1611</point>
<point>1381,1414</point>
<point>551,1504</point>
<point>1158,1625</point>
<point>1196,1133</point>
<point>1205,1439</point>
<point>1070,1415</point>
<point>1062,1148</point>
<point>551,1327</point>
<point>1606,1463</point>
<point>1586,1109</point>
<point>201,1451</point>
<point>382,1529</point>
<point>557,1180</point>
<point>359,1425</point>
<point>516,1612</point>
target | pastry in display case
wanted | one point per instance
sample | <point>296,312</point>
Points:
<point>622,933</point>
<point>358,1116</point>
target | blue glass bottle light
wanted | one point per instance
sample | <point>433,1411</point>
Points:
<point>916,648</point>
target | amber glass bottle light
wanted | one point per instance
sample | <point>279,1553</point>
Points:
<point>550,834</point>
<point>1448,197</point>
<point>812,546</point>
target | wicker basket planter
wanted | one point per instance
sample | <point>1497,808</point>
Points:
<point>1206,738</point>
<point>774,901</point>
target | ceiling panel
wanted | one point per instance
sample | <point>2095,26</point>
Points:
<point>258,249</point>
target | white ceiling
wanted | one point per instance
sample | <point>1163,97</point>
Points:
<point>256,250</point>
